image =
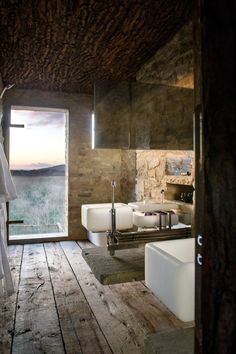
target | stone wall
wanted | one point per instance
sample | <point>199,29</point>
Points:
<point>171,65</point>
<point>90,171</point>
<point>152,174</point>
<point>128,175</point>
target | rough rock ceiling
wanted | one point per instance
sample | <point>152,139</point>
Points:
<point>65,45</point>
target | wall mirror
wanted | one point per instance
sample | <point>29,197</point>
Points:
<point>134,115</point>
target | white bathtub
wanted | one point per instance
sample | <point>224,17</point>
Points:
<point>169,273</point>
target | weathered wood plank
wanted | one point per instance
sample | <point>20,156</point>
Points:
<point>119,325</point>
<point>8,303</point>
<point>149,311</point>
<point>81,333</point>
<point>36,329</point>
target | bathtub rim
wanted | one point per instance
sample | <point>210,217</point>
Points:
<point>155,248</point>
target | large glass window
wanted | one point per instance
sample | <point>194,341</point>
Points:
<point>38,162</point>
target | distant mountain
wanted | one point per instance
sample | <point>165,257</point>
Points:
<point>58,170</point>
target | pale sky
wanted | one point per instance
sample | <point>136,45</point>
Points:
<point>41,143</point>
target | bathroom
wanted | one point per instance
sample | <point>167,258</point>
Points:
<point>142,169</point>
<point>140,172</point>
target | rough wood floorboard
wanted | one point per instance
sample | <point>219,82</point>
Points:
<point>80,330</point>
<point>148,309</point>
<point>118,323</point>
<point>37,328</point>
<point>8,303</point>
<point>56,283</point>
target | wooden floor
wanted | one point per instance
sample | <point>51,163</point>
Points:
<point>59,306</point>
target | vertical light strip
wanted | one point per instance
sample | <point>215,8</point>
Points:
<point>93,131</point>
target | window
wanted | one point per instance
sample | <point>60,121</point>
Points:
<point>38,162</point>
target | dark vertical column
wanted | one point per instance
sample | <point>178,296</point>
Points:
<point>219,133</point>
<point>198,225</point>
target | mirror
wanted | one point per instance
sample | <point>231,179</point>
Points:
<point>134,115</point>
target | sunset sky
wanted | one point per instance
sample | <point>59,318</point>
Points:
<point>41,143</point>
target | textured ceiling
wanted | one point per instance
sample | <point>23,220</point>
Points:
<point>65,45</point>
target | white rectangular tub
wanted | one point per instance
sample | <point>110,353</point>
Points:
<point>170,272</point>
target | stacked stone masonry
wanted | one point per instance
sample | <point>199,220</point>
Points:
<point>152,174</point>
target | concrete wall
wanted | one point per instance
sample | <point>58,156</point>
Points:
<point>90,171</point>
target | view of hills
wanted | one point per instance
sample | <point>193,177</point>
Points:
<point>58,170</point>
